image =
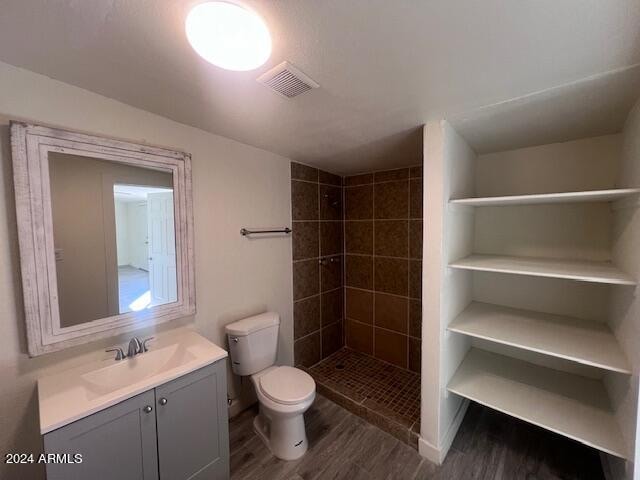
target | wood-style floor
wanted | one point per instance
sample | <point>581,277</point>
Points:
<point>343,446</point>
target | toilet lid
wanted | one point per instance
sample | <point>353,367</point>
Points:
<point>287,385</point>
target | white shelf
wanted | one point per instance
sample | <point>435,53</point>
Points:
<point>564,403</point>
<point>597,272</point>
<point>581,341</point>
<point>536,199</point>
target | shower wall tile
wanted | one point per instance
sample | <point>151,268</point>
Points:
<point>307,350</point>
<point>415,318</point>
<point>415,278</point>
<point>383,249</point>
<point>358,202</point>
<point>306,316</point>
<point>303,172</point>
<point>359,237</point>
<point>359,271</point>
<point>332,339</point>
<point>392,275</point>
<point>415,238</point>
<point>330,203</point>
<point>391,238</point>
<point>359,336</point>
<point>330,178</point>
<point>304,200</point>
<point>359,305</point>
<point>331,242</point>
<point>332,306</point>
<point>358,179</point>
<point>331,273</point>
<point>389,175</point>
<point>391,347</point>
<point>391,312</point>
<point>415,198</point>
<point>415,172</point>
<point>391,200</point>
<point>306,280</point>
<point>317,246</point>
<point>415,354</point>
<point>305,240</point>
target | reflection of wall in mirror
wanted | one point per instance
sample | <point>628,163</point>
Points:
<point>131,234</point>
<point>84,232</point>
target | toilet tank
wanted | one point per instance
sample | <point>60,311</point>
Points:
<point>253,343</point>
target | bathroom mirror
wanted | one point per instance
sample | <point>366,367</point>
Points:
<point>106,235</point>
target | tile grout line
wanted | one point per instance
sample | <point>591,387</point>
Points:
<point>383,293</point>
<point>315,295</point>
<point>383,256</point>
<point>318,182</point>
<point>321,257</point>
<point>382,328</point>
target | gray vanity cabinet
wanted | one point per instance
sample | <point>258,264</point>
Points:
<point>191,443</point>
<point>177,431</point>
<point>119,442</point>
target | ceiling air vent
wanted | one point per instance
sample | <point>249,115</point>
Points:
<point>287,81</point>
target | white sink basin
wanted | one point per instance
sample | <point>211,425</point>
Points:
<point>73,394</point>
<point>133,370</point>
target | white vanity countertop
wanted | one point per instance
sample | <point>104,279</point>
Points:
<point>73,394</point>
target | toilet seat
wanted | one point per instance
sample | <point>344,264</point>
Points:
<point>287,385</point>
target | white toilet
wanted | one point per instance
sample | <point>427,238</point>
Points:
<point>284,393</point>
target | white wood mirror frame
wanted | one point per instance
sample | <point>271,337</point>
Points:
<point>31,145</point>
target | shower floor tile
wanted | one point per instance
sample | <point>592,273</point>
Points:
<point>383,394</point>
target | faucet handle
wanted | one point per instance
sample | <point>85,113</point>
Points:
<point>144,344</point>
<point>119,353</point>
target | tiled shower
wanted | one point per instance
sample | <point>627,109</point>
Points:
<point>357,253</point>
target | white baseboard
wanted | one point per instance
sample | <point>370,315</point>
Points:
<point>435,454</point>
<point>428,451</point>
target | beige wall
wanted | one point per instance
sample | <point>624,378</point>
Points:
<point>234,186</point>
<point>84,231</point>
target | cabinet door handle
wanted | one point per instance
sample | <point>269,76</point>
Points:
<point>147,409</point>
<point>163,401</point>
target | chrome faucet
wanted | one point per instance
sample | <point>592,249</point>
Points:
<point>135,347</point>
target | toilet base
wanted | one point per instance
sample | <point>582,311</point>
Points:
<point>285,437</point>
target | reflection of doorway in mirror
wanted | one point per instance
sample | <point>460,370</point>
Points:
<point>145,242</point>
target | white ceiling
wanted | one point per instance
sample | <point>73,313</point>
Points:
<point>385,67</point>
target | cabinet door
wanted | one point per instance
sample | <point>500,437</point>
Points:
<point>193,430</point>
<point>118,442</point>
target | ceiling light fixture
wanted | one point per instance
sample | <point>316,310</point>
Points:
<point>228,35</point>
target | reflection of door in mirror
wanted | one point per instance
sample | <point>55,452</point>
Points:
<point>145,243</point>
<point>114,237</point>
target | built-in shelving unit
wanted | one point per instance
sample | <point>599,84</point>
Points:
<point>597,272</point>
<point>571,405</point>
<point>585,342</point>
<point>545,336</point>
<point>547,198</point>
